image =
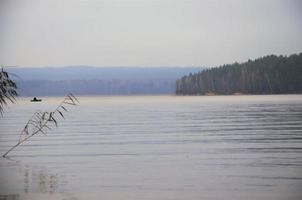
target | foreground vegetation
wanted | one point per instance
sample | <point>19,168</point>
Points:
<point>267,75</point>
<point>8,89</point>
<point>41,120</point>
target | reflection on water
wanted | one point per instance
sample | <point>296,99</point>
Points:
<point>243,147</point>
<point>41,181</point>
<point>30,178</point>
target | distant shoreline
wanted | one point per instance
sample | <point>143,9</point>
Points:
<point>161,95</point>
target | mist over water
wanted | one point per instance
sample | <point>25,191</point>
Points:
<point>159,147</point>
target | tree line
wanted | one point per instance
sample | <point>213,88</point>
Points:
<point>267,75</point>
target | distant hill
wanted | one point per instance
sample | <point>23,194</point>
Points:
<point>85,80</point>
<point>267,75</point>
<point>101,73</point>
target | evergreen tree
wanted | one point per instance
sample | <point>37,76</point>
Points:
<point>267,75</point>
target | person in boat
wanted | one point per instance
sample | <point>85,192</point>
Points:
<point>35,99</point>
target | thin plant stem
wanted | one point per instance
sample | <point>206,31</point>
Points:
<point>69,99</point>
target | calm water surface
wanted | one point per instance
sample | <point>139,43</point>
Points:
<point>158,147</point>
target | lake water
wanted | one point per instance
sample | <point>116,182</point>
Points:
<point>158,147</point>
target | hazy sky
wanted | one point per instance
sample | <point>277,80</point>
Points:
<point>146,32</point>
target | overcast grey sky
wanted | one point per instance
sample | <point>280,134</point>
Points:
<point>146,32</point>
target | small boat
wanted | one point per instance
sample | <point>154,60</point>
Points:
<point>35,100</point>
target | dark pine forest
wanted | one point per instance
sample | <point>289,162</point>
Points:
<point>267,75</point>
